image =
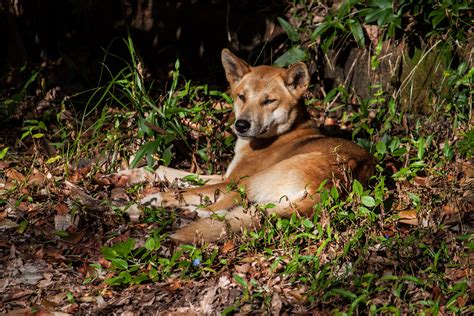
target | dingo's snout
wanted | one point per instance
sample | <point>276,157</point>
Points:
<point>242,126</point>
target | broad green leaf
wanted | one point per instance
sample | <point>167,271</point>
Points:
<point>421,148</point>
<point>417,164</point>
<point>167,155</point>
<point>150,244</point>
<point>320,30</point>
<point>381,148</point>
<point>3,152</point>
<point>143,127</point>
<point>436,17</point>
<point>411,278</point>
<point>42,126</point>
<point>148,148</point>
<point>289,29</point>
<point>108,253</point>
<point>25,134</point>
<point>293,55</point>
<point>381,4</point>
<point>357,188</point>
<point>363,210</point>
<point>124,248</point>
<point>22,227</point>
<point>114,281</point>
<point>374,15</point>
<point>367,201</point>
<point>203,154</point>
<point>30,80</point>
<point>140,278</point>
<point>357,32</point>
<point>307,223</point>
<point>342,292</point>
<point>384,17</point>
<point>53,159</point>
<point>400,151</point>
<point>394,144</point>
<point>153,273</point>
<point>241,281</point>
<point>119,263</point>
<point>403,172</point>
<point>334,193</point>
<point>191,177</point>
<point>269,205</point>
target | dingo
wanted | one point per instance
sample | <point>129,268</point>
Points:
<point>280,157</point>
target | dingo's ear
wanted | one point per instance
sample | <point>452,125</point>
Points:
<point>297,79</point>
<point>235,68</point>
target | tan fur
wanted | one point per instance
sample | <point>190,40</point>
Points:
<point>281,158</point>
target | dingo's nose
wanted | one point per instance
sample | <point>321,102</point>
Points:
<point>241,126</point>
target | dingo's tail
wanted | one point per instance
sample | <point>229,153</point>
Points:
<point>210,229</point>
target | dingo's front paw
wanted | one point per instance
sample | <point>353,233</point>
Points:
<point>154,199</point>
<point>161,199</point>
<point>130,177</point>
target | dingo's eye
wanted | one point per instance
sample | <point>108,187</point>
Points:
<point>242,97</point>
<point>268,101</point>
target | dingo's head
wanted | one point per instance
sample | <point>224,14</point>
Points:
<point>265,98</point>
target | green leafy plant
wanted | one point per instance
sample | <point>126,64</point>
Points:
<point>295,53</point>
<point>34,128</point>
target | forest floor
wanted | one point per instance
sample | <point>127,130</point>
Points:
<point>71,244</point>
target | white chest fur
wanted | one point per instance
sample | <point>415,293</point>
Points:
<point>238,153</point>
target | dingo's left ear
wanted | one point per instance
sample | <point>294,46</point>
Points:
<point>297,79</point>
<point>235,68</point>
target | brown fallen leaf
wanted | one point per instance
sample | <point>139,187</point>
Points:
<point>75,177</point>
<point>9,186</point>
<point>74,236</point>
<point>54,253</point>
<point>8,223</point>
<point>62,222</point>
<point>207,300</point>
<point>244,268</point>
<point>104,262</point>
<point>40,253</point>
<point>83,198</point>
<point>57,298</point>
<point>455,274</point>
<point>61,208</point>
<point>24,206</point>
<point>174,284</point>
<point>450,209</point>
<point>227,247</point>
<point>420,181</point>
<point>408,217</point>
<point>15,175</point>
<point>5,164</point>
<point>102,179</point>
<point>276,304</point>
<point>47,280</point>
<point>36,178</point>
<point>298,295</point>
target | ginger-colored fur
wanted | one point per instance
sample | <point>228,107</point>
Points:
<point>280,157</point>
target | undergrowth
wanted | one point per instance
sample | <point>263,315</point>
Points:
<point>354,255</point>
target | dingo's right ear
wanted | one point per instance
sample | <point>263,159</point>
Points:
<point>235,68</point>
<point>297,79</point>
